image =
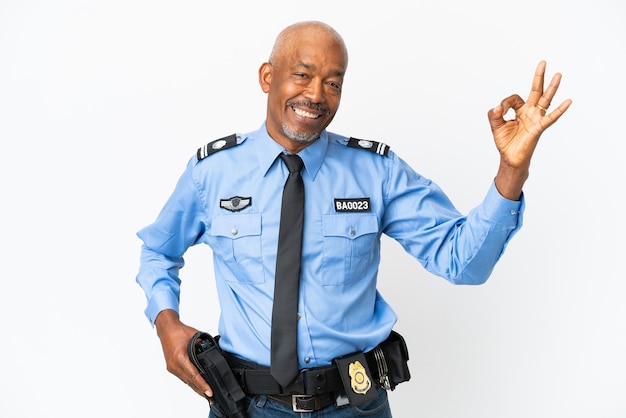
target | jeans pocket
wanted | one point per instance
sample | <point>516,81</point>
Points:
<point>378,408</point>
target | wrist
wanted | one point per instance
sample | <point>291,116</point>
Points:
<point>510,181</point>
<point>165,319</point>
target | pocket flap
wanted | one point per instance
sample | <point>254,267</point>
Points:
<point>236,226</point>
<point>350,226</point>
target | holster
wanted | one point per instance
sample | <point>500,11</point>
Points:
<point>204,352</point>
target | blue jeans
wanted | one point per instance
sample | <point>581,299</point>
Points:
<point>260,407</point>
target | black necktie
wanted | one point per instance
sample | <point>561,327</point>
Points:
<point>284,353</point>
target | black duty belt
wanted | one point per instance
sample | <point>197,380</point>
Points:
<point>313,389</point>
<point>257,380</point>
<point>319,387</point>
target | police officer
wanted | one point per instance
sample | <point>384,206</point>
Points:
<point>355,190</point>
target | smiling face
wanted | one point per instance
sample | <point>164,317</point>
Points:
<point>303,80</point>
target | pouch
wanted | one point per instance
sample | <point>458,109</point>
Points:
<point>391,357</point>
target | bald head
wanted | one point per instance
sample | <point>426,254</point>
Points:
<point>289,37</point>
<point>303,80</point>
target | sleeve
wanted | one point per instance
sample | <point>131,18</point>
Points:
<point>179,225</point>
<point>461,249</point>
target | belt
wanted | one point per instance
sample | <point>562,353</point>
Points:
<point>313,389</point>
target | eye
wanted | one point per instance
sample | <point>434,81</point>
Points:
<point>334,87</point>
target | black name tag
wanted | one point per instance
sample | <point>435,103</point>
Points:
<point>361,204</point>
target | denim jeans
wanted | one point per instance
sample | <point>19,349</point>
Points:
<point>260,407</point>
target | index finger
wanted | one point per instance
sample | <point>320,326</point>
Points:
<point>199,385</point>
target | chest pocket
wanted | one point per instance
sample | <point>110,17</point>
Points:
<point>237,241</point>
<point>350,245</point>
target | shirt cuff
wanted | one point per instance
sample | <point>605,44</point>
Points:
<point>159,301</point>
<point>500,210</point>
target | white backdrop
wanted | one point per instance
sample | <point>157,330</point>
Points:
<point>102,103</point>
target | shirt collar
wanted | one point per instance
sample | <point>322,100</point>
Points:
<point>267,150</point>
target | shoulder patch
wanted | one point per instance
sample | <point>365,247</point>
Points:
<point>215,146</point>
<point>371,146</point>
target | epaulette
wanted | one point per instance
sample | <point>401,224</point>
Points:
<point>217,145</point>
<point>371,146</point>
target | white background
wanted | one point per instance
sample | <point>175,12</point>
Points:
<point>103,102</point>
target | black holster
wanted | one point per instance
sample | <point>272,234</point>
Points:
<point>204,352</point>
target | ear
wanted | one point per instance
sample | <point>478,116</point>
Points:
<point>265,76</point>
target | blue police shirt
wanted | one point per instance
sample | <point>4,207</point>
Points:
<point>231,201</point>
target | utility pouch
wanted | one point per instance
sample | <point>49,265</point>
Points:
<point>204,352</point>
<point>391,358</point>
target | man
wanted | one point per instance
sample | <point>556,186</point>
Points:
<point>355,191</point>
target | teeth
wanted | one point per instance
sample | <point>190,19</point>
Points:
<point>305,113</point>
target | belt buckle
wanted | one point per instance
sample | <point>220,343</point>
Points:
<point>294,403</point>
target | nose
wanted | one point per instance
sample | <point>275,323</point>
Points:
<point>315,91</point>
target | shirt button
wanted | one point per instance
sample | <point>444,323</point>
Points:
<point>299,315</point>
<point>234,231</point>
<point>307,360</point>
<point>513,212</point>
<point>352,231</point>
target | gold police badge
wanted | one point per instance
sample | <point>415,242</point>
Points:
<point>359,380</point>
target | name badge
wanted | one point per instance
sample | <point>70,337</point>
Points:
<point>361,204</point>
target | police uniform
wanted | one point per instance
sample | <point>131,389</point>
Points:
<point>229,197</point>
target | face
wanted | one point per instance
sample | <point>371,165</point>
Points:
<point>304,89</point>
